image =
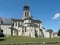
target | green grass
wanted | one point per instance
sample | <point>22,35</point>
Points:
<point>18,39</point>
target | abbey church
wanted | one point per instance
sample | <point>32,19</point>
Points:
<point>27,26</point>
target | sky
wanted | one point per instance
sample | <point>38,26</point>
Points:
<point>48,11</point>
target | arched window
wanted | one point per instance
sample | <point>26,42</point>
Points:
<point>26,14</point>
<point>25,29</point>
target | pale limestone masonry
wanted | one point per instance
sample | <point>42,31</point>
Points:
<point>27,26</point>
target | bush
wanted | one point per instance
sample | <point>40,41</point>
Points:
<point>59,32</point>
<point>1,35</point>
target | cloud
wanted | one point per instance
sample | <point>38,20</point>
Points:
<point>57,15</point>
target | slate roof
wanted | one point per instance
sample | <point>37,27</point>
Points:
<point>6,21</point>
<point>5,24</point>
<point>17,19</point>
<point>30,18</point>
<point>37,21</point>
<point>33,25</point>
<point>55,33</point>
<point>33,20</point>
<point>43,27</point>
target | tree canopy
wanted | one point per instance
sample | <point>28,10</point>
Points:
<point>59,32</point>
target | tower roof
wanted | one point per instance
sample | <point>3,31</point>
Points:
<point>26,7</point>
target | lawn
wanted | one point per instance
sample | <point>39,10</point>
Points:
<point>19,39</point>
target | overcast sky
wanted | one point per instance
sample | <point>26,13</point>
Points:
<point>48,11</point>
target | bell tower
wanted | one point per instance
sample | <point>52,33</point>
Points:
<point>26,11</point>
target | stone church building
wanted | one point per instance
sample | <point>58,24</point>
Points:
<point>27,26</point>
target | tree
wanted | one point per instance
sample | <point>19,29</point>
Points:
<point>50,32</point>
<point>59,32</point>
<point>1,33</point>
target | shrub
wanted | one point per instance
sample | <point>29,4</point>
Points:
<point>59,32</point>
<point>1,35</point>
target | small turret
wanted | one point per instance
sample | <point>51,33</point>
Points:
<point>26,11</point>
